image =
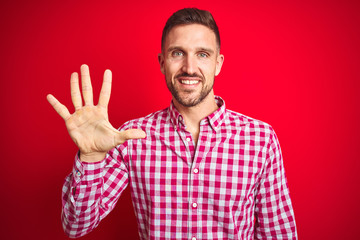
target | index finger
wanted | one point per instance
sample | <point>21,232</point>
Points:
<point>105,89</point>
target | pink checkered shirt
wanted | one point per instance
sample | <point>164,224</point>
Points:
<point>231,186</point>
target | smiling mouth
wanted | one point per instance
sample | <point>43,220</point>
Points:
<point>189,82</point>
<point>189,79</point>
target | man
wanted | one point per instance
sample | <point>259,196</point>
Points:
<point>196,170</point>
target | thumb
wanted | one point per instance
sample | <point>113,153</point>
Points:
<point>123,136</point>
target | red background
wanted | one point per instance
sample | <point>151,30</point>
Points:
<point>293,64</point>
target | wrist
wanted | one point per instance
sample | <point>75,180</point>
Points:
<point>92,157</point>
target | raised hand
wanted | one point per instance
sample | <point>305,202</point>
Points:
<point>89,126</point>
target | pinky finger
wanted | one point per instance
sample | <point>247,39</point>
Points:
<point>59,108</point>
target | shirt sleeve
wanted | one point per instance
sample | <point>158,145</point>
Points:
<point>91,191</point>
<point>273,210</point>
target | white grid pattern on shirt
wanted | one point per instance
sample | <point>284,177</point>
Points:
<point>240,176</point>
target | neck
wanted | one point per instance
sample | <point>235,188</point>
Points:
<point>193,115</point>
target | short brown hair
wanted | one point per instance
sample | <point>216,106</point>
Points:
<point>190,16</point>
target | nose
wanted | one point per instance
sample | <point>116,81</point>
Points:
<point>189,65</point>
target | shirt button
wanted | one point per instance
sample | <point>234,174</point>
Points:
<point>194,205</point>
<point>188,139</point>
<point>196,170</point>
<point>193,238</point>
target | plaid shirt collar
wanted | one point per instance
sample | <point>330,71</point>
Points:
<point>215,119</point>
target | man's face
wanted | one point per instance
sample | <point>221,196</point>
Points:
<point>190,60</point>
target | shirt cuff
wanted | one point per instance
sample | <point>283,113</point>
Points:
<point>87,172</point>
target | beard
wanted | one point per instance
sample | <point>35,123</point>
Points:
<point>187,101</point>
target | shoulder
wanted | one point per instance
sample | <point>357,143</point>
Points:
<point>248,124</point>
<point>149,122</point>
<point>252,131</point>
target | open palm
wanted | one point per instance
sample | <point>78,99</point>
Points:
<point>89,126</point>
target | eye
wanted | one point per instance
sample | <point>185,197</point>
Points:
<point>203,55</point>
<point>177,54</point>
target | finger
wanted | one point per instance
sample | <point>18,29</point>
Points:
<point>86,85</point>
<point>59,108</point>
<point>75,91</point>
<point>123,136</point>
<point>105,89</point>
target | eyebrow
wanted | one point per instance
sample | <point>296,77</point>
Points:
<point>200,49</point>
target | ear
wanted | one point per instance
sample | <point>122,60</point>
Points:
<point>219,63</point>
<point>161,62</point>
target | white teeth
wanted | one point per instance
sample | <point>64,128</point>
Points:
<point>189,82</point>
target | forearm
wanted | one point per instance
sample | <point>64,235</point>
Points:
<point>81,196</point>
<point>85,198</point>
<point>273,209</point>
